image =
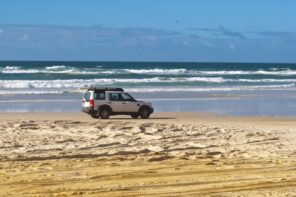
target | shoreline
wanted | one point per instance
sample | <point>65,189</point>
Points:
<point>189,117</point>
<point>244,104</point>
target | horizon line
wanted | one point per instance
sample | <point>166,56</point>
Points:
<point>145,61</point>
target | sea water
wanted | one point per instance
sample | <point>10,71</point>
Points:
<point>224,88</point>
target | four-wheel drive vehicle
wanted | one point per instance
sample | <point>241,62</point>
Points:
<point>103,102</point>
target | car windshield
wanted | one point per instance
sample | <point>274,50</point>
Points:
<point>126,97</point>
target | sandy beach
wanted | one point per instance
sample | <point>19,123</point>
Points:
<point>208,89</point>
<point>171,154</point>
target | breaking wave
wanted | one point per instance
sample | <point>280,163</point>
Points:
<point>209,89</point>
<point>157,71</point>
<point>155,84</point>
<point>62,69</point>
<point>59,77</point>
<point>77,83</point>
<point>156,89</point>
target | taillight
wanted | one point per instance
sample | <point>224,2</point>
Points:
<point>92,103</point>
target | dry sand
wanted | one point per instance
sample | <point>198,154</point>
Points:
<point>171,154</point>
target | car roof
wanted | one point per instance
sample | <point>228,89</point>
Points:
<point>105,89</point>
<point>114,92</point>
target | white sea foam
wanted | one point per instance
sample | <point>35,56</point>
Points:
<point>240,72</point>
<point>49,69</point>
<point>275,69</point>
<point>82,71</point>
<point>156,89</point>
<point>77,83</point>
<point>264,80</point>
<point>17,70</point>
<point>156,71</point>
<point>209,89</point>
<point>11,67</point>
<point>56,69</point>
<point>14,92</point>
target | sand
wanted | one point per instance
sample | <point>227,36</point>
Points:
<point>171,154</point>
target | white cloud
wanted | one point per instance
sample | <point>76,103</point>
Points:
<point>86,35</point>
<point>221,31</point>
<point>24,37</point>
<point>139,44</point>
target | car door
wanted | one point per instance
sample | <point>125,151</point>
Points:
<point>99,99</point>
<point>128,103</point>
<point>114,101</point>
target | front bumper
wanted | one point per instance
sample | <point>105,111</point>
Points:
<point>151,110</point>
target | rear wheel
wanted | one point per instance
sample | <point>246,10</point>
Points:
<point>95,116</point>
<point>105,113</point>
<point>135,115</point>
<point>144,113</point>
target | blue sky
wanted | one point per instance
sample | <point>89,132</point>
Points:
<point>148,30</point>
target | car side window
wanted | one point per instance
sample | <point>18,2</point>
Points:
<point>113,97</point>
<point>99,96</point>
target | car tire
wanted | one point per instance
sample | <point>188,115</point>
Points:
<point>135,116</point>
<point>105,113</point>
<point>95,116</point>
<point>144,113</point>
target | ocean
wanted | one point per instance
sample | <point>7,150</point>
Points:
<point>223,88</point>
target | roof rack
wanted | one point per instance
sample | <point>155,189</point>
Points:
<point>104,89</point>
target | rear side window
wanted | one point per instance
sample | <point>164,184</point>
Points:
<point>87,96</point>
<point>120,97</point>
<point>99,96</point>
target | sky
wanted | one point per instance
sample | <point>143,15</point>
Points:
<point>149,30</point>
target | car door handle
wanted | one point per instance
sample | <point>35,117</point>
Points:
<point>109,102</point>
<point>123,103</point>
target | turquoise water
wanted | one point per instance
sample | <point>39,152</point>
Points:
<point>58,77</point>
<point>170,86</point>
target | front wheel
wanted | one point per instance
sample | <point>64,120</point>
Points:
<point>144,113</point>
<point>105,113</point>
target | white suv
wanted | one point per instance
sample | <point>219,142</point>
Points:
<point>103,102</point>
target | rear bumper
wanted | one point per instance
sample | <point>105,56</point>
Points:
<point>88,110</point>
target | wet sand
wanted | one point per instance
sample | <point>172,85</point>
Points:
<point>171,154</point>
